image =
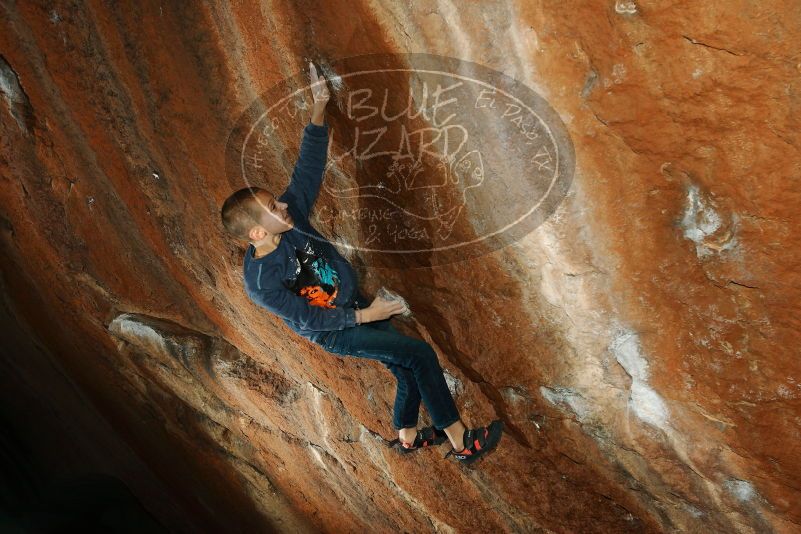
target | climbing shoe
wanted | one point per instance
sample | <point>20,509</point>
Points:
<point>426,437</point>
<point>478,441</point>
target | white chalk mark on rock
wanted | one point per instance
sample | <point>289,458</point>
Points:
<point>626,7</point>
<point>567,397</point>
<point>644,401</point>
<point>700,221</point>
<point>742,490</point>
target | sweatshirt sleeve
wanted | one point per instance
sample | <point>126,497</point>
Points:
<point>307,176</point>
<point>287,305</point>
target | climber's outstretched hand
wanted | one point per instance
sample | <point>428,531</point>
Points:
<point>319,88</point>
<point>381,309</point>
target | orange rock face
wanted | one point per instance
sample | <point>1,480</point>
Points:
<point>638,339</point>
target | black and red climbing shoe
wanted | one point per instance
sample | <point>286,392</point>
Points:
<point>426,437</point>
<point>478,441</point>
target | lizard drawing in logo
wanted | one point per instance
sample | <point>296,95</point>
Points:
<point>432,166</point>
<point>316,280</point>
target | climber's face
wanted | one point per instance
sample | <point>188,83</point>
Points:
<point>274,217</point>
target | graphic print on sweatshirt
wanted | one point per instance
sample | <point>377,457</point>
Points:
<point>316,279</point>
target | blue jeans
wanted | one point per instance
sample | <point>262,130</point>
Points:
<point>413,362</point>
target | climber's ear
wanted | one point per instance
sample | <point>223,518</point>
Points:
<point>256,233</point>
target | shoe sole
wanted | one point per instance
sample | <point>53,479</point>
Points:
<point>494,437</point>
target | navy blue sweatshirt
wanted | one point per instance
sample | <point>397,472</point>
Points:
<point>305,281</point>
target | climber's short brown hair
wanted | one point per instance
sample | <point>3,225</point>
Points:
<point>241,211</point>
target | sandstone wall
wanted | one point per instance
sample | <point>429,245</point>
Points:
<point>640,345</point>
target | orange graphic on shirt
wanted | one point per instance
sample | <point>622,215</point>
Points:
<point>318,297</point>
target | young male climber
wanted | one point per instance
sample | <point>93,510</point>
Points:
<point>294,272</point>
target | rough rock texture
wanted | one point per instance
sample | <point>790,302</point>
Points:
<point>640,345</point>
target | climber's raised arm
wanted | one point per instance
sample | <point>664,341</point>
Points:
<point>307,176</point>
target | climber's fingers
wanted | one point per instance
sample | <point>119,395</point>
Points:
<point>312,72</point>
<point>318,86</point>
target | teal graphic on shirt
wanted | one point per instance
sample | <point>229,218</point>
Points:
<point>325,272</point>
